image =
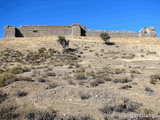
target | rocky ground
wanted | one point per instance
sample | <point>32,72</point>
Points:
<point>91,81</point>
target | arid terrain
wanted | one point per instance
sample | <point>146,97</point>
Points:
<point>90,81</point>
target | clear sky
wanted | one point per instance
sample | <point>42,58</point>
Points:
<point>129,15</point>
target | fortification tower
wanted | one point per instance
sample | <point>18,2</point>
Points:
<point>76,30</point>
<point>9,31</point>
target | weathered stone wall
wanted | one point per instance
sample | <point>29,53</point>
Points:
<point>122,33</point>
<point>96,33</point>
<point>9,31</point>
<point>45,30</point>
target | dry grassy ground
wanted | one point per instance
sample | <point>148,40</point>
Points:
<point>96,81</point>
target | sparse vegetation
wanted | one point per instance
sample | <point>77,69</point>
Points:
<point>124,106</point>
<point>62,41</point>
<point>86,76</point>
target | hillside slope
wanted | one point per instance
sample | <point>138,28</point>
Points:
<point>92,81</point>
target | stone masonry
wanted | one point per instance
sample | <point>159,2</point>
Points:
<point>59,30</point>
<point>147,31</point>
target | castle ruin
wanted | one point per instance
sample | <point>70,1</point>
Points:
<point>60,30</point>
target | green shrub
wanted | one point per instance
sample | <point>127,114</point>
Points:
<point>62,41</point>
<point>105,36</point>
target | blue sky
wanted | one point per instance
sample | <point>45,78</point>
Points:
<point>129,15</point>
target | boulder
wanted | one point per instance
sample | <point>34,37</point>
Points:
<point>147,32</point>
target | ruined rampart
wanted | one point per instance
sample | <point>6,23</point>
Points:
<point>59,30</point>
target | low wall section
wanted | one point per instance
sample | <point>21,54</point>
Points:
<point>96,33</point>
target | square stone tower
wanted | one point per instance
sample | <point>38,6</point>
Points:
<point>9,31</point>
<point>76,30</point>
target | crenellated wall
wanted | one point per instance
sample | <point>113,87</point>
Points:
<point>59,30</point>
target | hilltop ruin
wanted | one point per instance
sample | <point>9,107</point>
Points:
<point>65,30</point>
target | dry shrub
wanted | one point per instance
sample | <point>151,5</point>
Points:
<point>3,96</point>
<point>122,80</point>
<point>125,106</point>
<point>80,76</point>
<point>154,78</point>
<point>21,93</point>
<point>6,78</point>
<point>8,112</point>
<point>96,82</point>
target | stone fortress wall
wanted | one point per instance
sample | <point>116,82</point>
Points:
<point>62,30</point>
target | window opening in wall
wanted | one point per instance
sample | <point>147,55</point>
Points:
<point>35,31</point>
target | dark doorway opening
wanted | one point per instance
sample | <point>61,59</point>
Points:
<point>18,33</point>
